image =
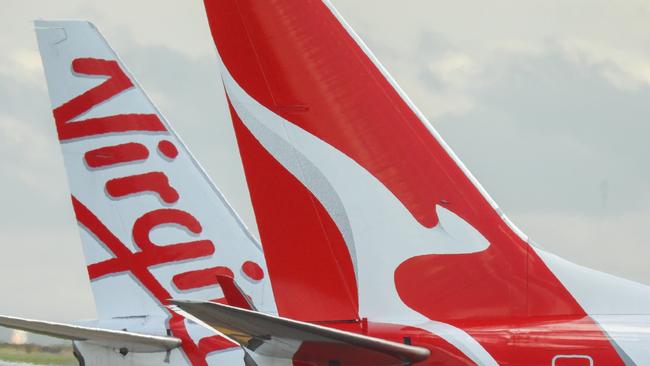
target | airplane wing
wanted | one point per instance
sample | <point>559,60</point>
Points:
<point>134,342</point>
<point>279,337</point>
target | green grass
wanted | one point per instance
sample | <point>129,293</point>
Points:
<point>60,356</point>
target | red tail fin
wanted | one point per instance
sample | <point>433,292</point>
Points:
<point>298,66</point>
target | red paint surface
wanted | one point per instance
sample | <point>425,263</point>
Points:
<point>116,83</point>
<point>442,352</point>
<point>212,344</point>
<point>118,154</point>
<point>233,294</point>
<point>150,254</point>
<point>168,149</point>
<point>200,278</point>
<point>154,182</point>
<point>535,341</point>
<point>253,271</point>
<point>313,276</point>
<point>298,61</point>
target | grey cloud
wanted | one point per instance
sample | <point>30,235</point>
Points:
<point>585,130</point>
<point>31,169</point>
<point>542,132</point>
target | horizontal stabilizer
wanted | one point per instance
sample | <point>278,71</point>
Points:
<point>134,342</point>
<point>278,337</point>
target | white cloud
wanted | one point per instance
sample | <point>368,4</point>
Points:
<point>624,69</point>
<point>455,70</point>
<point>27,61</point>
<point>23,64</point>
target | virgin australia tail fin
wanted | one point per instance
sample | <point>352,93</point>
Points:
<point>152,224</point>
<point>354,189</point>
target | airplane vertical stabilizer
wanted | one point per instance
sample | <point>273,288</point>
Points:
<point>363,210</point>
<point>153,225</point>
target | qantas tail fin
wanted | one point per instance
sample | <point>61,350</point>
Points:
<point>354,189</point>
<point>152,224</point>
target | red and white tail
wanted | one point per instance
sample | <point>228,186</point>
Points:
<point>153,225</point>
<point>360,203</point>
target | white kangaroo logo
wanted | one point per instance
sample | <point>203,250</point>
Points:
<point>380,232</point>
<point>377,228</point>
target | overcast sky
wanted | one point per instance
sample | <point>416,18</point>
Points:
<point>547,102</point>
